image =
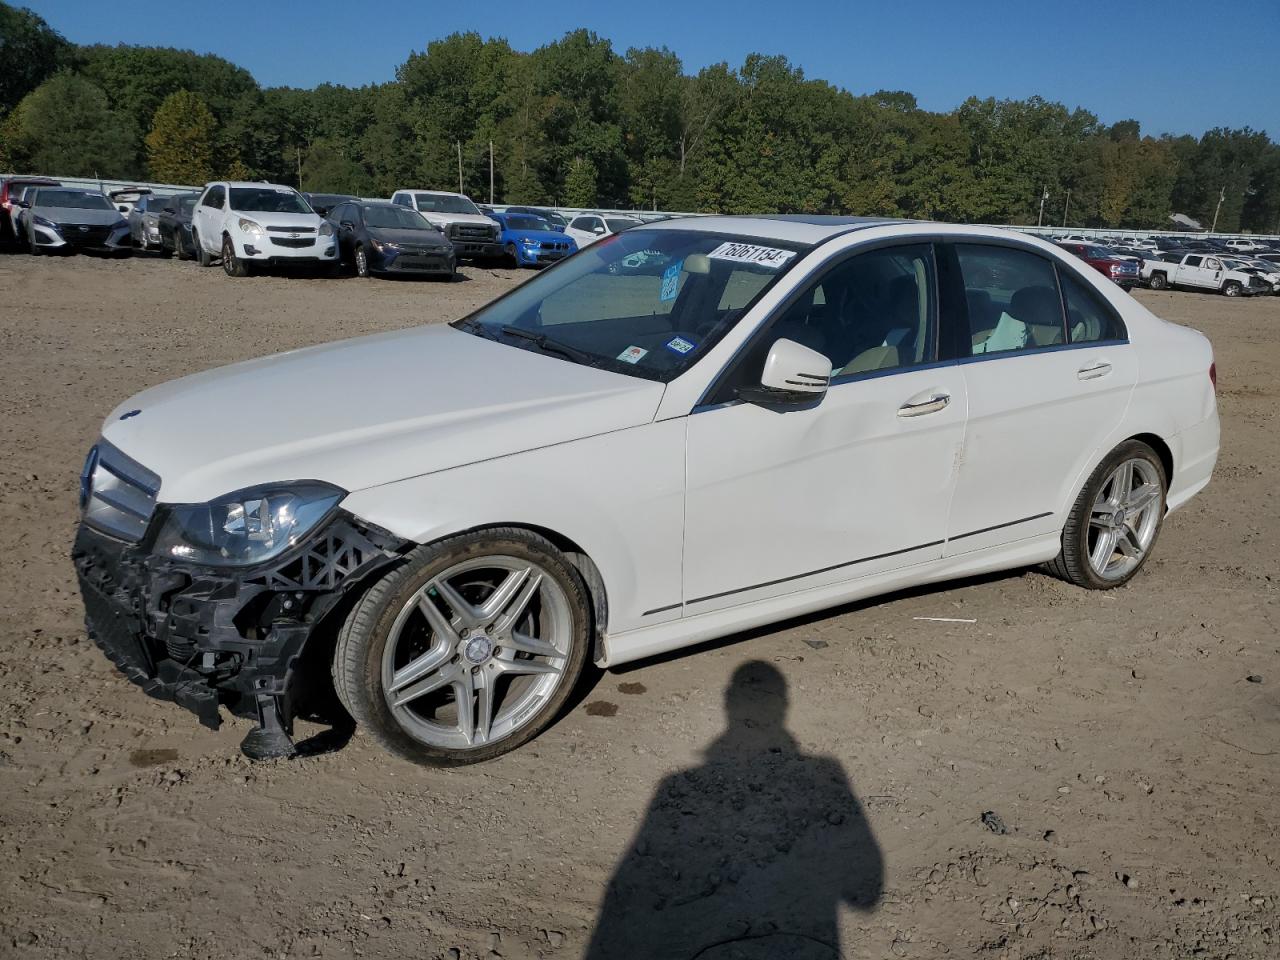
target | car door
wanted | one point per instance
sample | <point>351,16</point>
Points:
<point>586,230</point>
<point>1191,272</point>
<point>208,217</point>
<point>1213,271</point>
<point>343,220</point>
<point>1045,388</point>
<point>780,501</point>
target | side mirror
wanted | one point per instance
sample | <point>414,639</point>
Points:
<point>793,375</point>
<point>21,203</point>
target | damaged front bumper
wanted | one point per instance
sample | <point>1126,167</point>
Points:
<point>213,637</point>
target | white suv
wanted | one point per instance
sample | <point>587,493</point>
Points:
<point>473,235</point>
<point>248,223</point>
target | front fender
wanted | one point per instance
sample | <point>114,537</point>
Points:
<point>618,496</point>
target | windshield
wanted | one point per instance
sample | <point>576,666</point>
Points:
<point>445,203</point>
<point>74,199</point>
<point>187,203</point>
<point>1097,253</point>
<point>268,200</point>
<point>526,221</point>
<point>647,303</point>
<point>618,224</point>
<point>393,217</point>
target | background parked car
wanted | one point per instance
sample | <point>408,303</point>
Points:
<point>528,240</point>
<point>1200,271</point>
<point>474,236</point>
<point>589,227</point>
<point>10,190</point>
<point>376,237</point>
<point>322,203</point>
<point>66,220</point>
<point>1124,271</point>
<point>174,221</point>
<point>144,221</point>
<point>125,198</point>
<point>1268,272</point>
<point>246,224</point>
<point>554,219</point>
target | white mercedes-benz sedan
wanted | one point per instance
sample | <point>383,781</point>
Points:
<point>686,430</point>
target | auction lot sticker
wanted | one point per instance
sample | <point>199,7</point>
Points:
<point>750,253</point>
<point>632,354</point>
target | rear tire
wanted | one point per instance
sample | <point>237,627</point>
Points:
<point>1158,281</point>
<point>203,257</point>
<point>232,265</point>
<point>388,634</point>
<point>1131,511</point>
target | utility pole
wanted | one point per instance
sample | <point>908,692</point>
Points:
<point>1066,208</point>
<point>460,190</point>
<point>1044,196</point>
<point>491,172</point>
<point>1222,195</point>
<point>299,168</point>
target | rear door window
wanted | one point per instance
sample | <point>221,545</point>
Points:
<point>1089,319</point>
<point>1012,299</point>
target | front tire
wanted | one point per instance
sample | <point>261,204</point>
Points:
<point>467,650</point>
<point>1231,289</point>
<point>1116,520</point>
<point>512,257</point>
<point>361,258</point>
<point>232,265</point>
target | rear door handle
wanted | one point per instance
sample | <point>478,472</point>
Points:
<point>930,401</point>
<point>1094,370</point>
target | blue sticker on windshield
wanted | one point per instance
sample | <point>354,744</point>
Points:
<point>680,345</point>
<point>671,281</point>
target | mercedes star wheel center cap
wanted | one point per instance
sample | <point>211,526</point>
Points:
<point>478,649</point>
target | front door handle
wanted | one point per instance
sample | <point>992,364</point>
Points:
<point>1094,370</point>
<point>931,401</point>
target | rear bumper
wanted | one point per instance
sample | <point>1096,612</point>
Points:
<point>206,638</point>
<point>1195,453</point>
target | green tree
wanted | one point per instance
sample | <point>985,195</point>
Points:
<point>65,126</point>
<point>180,144</point>
<point>31,52</point>
<point>580,188</point>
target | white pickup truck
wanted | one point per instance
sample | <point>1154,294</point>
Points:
<point>1200,272</point>
<point>473,235</point>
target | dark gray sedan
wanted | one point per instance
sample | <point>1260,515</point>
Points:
<point>380,237</point>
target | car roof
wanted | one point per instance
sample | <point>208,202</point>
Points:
<point>795,228</point>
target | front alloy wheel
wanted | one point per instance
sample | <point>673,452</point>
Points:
<point>362,262</point>
<point>232,265</point>
<point>466,651</point>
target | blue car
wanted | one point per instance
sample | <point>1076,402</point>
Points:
<point>529,241</point>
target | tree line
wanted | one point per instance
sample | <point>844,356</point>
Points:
<point>578,124</point>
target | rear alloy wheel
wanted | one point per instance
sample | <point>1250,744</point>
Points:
<point>1232,289</point>
<point>467,650</point>
<point>1116,520</point>
<point>1158,281</point>
<point>362,261</point>
<point>232,265</point>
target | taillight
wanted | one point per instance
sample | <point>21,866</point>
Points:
<point>1213,376</point>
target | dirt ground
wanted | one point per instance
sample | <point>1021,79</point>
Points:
<point>1126,742</point>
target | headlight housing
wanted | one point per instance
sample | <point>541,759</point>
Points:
<point>251,227</point>
<point>245,527</point>
<point>326,229</point>
<point>42,222</point>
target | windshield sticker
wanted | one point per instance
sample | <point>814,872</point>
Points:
<point>680,345</point>
<point>632,354</point>
<point>671,281</point>
<point>750,253</point>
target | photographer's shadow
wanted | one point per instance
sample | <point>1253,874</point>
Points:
<point>749,855</point>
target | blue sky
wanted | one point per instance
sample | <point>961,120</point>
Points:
<point>1178,66</point>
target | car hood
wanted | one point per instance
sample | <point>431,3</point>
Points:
<point>364,412</point>
<point>436,216</point>
<point>542,236</point>
<point>78,215</point>
<point>419,238</point>
<point>280,219</point>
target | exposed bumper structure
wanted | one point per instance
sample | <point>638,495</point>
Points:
<point>206,637</point>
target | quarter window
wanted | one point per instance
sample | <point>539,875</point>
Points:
<point>1088,318</point>
<point>1012,299</point>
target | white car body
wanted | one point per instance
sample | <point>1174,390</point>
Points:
<point>474,235</point>
<point>260,236</point>
<point>587,228</point>
<point>1246,246</point>
<point>702,520</point>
